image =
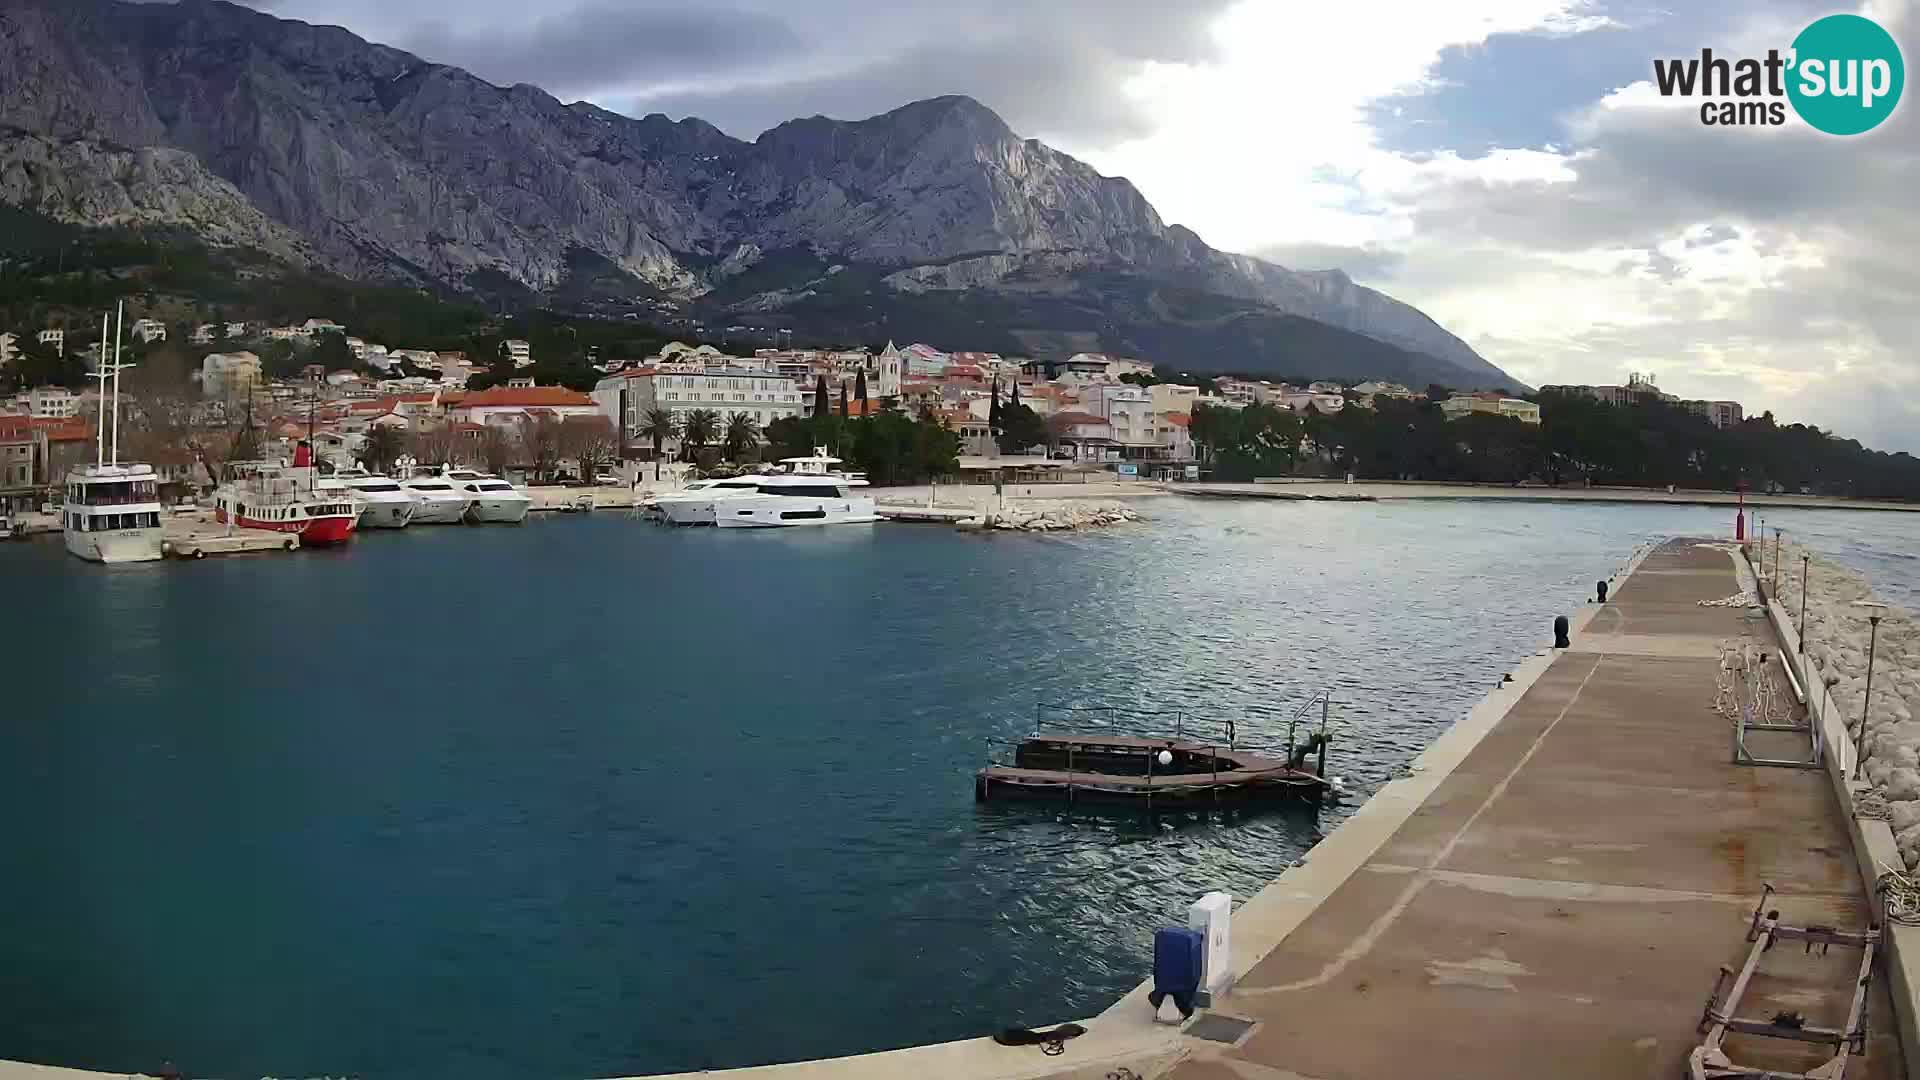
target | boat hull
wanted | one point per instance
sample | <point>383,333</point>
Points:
<point>387,515</point>
<point>686,511</point>
<point>115,546</point>
<point>320,531</point>
<point>498,511</point>
<point>439,511</point>
<point>785,512</point>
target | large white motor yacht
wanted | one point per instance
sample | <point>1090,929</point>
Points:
<point>809,493</point>
<point>693,505</point>
<point>435,500</point>
<point>494,500</point>
<point>383,504</point>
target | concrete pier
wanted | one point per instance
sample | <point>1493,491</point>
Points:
<point>197,536</point>
<point>1561,902</point>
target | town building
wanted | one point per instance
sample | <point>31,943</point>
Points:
<point>1721,414</point>
<point>202,334</point>
<point>762,394</point>
<point>52,403</point>
<point>22,448</point>
<point>1638,388</point>
<point>148,331</point>
<point>1382,388</point>
<point>1460,405</point>
<point>520,352</point>
<point>321,326</point>
<point>9,348</point>
<point>56,338</point>
<point>1128,411</point>
<point>514,405</point>
<point>236,330</point>
<point>1173,397</point>
<point>225,375</point>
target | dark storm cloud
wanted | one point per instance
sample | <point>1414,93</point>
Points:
<point>574,52</point>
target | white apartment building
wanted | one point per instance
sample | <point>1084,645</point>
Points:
<point>520,352</point>
<point>9,348</point>
<point>1128,410</point>
<point>52,403</point>
<point>149,330</point>
<point>764,395</point>
<point>1173,397</point>
<point>55,338</point>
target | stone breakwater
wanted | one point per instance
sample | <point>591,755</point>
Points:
<point>1837,636</point>
<point>1063,516</point>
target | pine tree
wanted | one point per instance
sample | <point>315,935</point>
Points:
<point>860,390</point>
<point>843,399</point>
<point>1014,402</point>
<point>993,409</point>
<point>820,404</point>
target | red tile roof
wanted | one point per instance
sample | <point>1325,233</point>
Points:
<point>1080,418</point>
<point>1177,419</point>
<point>504,397</point>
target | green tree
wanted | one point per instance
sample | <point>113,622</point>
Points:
<point>820,404</point>
<point>699,428</point>
<point>742,434</point>
<point>860,391</point>
<point>1021,429</point>
<point>330,351</point>
<point>657,425</point>
<point>385,442</point>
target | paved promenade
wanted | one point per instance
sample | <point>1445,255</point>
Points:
<point>1560,905</point>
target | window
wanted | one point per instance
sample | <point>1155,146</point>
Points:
<point>793,515</point>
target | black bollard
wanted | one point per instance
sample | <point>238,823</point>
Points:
<point>1600,587</point>
<point>1560,633</point>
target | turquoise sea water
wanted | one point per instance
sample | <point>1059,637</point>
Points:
<point>592,798</point>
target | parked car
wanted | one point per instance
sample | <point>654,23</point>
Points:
<point>604,478</point>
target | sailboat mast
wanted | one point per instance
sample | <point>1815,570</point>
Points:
<point>120,326</point>
<point>100,370</point>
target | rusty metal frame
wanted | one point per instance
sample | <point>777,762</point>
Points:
<point>1709,1060</point>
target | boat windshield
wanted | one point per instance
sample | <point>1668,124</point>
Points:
<point>431,487</point>
<point>817,491</point>
<point>380,487</point>
<point>496,485</point>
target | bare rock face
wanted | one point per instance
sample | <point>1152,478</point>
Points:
<point>87,183</point>
<point>378,158</point>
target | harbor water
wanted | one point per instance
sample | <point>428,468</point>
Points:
<point>586,798</point>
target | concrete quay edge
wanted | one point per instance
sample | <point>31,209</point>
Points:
<point>1874,850</point>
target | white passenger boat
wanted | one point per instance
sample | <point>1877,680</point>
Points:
<point>810,492</point>
<point>112,508</point>
<point>494,500</point>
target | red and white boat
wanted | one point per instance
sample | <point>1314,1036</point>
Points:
<point>284,498</point>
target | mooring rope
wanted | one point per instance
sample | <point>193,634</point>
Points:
<point>1899,897</point>
<point>1743,598</point>
<point>1870,805</point>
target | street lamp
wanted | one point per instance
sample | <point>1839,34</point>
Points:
<point>1874,611</point>
<point>1776,560</point>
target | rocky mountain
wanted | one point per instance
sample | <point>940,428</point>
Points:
<point>390,166</point>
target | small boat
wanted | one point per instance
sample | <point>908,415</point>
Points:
<point>579,504</point>
<point>1148,773</point>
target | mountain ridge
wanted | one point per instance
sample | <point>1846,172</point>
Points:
<point>390,165</point>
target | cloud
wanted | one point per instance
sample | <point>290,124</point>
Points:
<point>578,51</point>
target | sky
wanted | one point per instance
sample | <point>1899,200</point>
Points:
<point>1503,164</point>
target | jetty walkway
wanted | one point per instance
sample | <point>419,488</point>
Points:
<point>1561,902</point>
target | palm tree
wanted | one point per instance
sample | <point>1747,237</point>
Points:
<point>658,425</point>
<point>742,431</point>
<point>384,443</point>
<point>699,429</point>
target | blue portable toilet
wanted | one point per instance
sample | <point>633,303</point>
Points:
<point>1177,960</point>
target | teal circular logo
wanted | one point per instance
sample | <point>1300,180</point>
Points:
<point>1846,74</point>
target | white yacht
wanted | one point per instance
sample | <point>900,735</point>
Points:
<point>494,500</point>
<point>383,505</point>
<point>435,500</point>
<point>693,505</point>
<point>112,509</point>
<point>810,492</point>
